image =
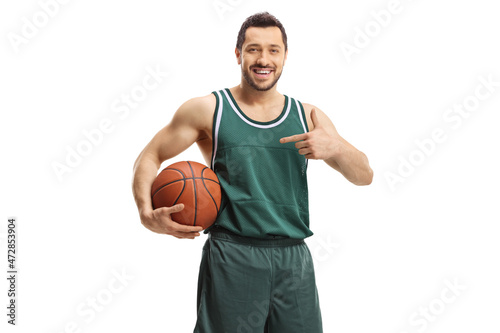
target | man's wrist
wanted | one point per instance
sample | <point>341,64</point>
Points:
<point>145,212</point>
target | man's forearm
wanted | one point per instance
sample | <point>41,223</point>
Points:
<point>145,171</point>
<point>353,164</point>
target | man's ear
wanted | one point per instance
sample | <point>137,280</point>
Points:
<point>286,55</point>
<point>238,55</point>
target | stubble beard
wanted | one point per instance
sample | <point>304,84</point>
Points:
<point>254,85</point>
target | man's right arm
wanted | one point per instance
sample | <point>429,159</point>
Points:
<point>190,123</point>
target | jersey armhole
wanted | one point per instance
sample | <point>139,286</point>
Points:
<point>215,126</point>
<point>302,115</point>
<point>303,120</point>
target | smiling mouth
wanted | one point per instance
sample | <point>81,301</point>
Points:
<point>262,72</point>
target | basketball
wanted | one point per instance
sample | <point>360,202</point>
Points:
<point>192,184</point>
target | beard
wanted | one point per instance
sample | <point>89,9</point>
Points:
<point>259,87</point>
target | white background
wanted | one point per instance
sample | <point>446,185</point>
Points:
<point>381,253</point>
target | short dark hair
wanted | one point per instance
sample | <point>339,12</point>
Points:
<point>260,20</point>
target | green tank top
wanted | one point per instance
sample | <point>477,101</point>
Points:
<point>264,182</point>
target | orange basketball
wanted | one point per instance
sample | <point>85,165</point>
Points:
<point>192,184</point>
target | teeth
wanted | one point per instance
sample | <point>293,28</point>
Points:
<point>263,72</point>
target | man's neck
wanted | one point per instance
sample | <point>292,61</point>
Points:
<point>250,96</point>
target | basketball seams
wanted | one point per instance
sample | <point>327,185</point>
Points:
<point>178,180</point>
<point>182,173</point>
<point>184,179</point>
<point>182,191</point>
<point>211,196</point>
<point>195,194</point>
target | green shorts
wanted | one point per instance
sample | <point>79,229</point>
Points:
<point>249,285</point>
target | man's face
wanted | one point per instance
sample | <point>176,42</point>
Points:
<point>262,57</point>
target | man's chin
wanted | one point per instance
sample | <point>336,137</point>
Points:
<point>264,88</point>
<point>261,86</point>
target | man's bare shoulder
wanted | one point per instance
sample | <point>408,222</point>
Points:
<point>322,116</point>
<point>196,112</point>
<point>308,108</point>
<point>200,105</point>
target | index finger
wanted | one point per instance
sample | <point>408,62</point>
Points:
<point>293,138</point>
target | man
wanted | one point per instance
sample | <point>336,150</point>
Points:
<point>256,273</point>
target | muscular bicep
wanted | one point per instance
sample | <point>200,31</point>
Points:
<point>190,123</point>
<point>174,138</point>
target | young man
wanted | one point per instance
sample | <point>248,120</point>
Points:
<point>256,272</point>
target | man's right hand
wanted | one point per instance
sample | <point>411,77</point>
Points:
<point>159,221</point>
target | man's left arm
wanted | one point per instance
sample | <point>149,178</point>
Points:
<point>323,142</point>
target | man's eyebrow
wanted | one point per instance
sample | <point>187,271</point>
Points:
<point>256,44</point>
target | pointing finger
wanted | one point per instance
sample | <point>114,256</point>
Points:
<point>293,138</point>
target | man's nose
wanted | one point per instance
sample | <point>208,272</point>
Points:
<point>263,60</point>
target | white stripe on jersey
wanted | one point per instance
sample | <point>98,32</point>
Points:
<point>253,124</point>
<point>300,116</point>
<point>217,125</point>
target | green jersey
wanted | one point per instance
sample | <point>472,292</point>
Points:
<point>264,182</point>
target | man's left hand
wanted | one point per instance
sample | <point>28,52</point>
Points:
<point>317,144</point>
